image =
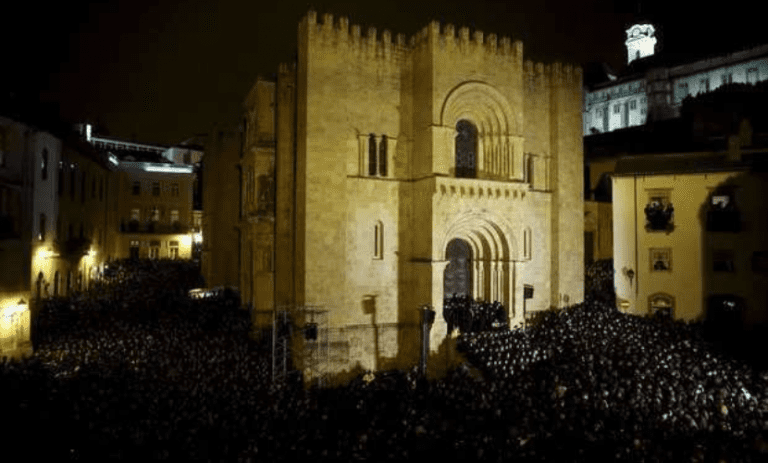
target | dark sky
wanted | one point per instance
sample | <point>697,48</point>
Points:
<point>166,70</point>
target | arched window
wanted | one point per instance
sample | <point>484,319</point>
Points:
<point>466,149</point>
<point>661,304</point>
<point>383,156</point>
<point>371,154</point>
<point>378,240</point>
<point>44,165</point>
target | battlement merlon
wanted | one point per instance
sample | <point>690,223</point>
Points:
<point>490,43</point>
<point>339,33</point>
<point>555,74</point>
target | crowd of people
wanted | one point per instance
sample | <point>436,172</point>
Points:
<point>579,384</point>
<point>469,316</point>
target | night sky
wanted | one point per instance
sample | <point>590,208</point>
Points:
<point>163,71</point>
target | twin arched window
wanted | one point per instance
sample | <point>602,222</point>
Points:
<point>377,158</point>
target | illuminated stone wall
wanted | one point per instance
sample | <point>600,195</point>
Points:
<point>368,244</point>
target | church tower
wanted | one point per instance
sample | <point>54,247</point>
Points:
<point>641,41</point>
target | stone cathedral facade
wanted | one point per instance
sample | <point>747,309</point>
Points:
<point>378,175</point>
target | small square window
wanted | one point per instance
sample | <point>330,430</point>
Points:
<point>661,260</point>
<point>722,261</point>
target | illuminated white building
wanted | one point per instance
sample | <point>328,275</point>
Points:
<point>653,86</point>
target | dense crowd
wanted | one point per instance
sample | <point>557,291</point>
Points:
<point>581,384</point>
<point>470,316</point>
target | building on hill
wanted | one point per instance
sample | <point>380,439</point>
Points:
<point>381,175</point>
<point>689,233</point>
<point>654,85</point>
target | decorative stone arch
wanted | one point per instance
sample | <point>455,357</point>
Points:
<point>493,247</point>
<point>497,127</point>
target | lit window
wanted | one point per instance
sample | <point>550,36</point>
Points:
<point>155,216</point>
<point>174,215</point>
<point>752,76</point>
<point>135,215</point>
<point>661,260</point>
<point>41,236</point>
<point>154,249</point>
<point>703,85</point>
<point>661,304</point>
<point>44,165</point>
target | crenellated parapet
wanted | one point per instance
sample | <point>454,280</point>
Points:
<point>349,39</point>
<point>447,38</point>
<point>556,75</point>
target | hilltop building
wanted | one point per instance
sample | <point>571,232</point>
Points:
<point>653,86</point>
<point>379,176</point>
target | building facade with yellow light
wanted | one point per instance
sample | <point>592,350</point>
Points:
<point>53,217</point>
<point>689,234</point>
<point>154,210</point>
<point>374,167</point>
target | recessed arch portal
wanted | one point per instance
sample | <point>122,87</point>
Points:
<point>492,249</point>
<point>458,273</point>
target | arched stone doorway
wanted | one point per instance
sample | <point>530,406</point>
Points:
<point>458,273</point>
<point>457,285</point>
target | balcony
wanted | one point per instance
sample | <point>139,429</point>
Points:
<point>153,227</point>
<point>74,247</point>
<point>658,217</point>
